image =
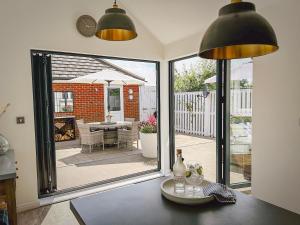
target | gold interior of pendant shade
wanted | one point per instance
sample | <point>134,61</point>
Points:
<point>235,1</point>
<point>116,34</point>
<point>239,51</point>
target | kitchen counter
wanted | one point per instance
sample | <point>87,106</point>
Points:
<point>143,203</point>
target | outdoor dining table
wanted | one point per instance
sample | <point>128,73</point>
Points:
<point>143,203</point>
<point>110,130</point>
<point>109,126</point>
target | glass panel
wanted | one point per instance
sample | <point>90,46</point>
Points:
<point>63,101</point>
<point>114,99</point>
<point>241,120</point>
<point>130,146</point>
<point>195,105</point>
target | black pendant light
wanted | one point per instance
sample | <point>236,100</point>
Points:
<point>115,25</point>
<point>239,32</point>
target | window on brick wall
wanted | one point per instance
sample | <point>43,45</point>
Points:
<point>114,100</point>
<point>63,101</point>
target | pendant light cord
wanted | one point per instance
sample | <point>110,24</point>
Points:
<point>115,4</point>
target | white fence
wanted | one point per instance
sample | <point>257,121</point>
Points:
<point>197,115</point>
<point>241,102</point>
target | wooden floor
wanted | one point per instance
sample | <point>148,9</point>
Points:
<point>56,214</point>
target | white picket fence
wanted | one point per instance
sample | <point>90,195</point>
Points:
<point>197,115</point>
<point>241,102</point>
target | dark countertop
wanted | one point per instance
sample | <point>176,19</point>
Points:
<point>143,204</point>
<point>7,166</point>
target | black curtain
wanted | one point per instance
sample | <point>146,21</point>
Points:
<point>44,123</point>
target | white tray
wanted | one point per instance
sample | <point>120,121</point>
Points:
<point>167,190</point>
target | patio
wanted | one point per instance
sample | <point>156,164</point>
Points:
<point>203,149</point>
<point>75,168</point>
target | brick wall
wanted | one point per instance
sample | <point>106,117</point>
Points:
<point>131,107</point>
<point>88,101</point>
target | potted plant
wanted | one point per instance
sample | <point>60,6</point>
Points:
<point>148,136</point>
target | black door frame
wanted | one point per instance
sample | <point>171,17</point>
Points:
<point>223,93</point>
<point>172,108</point>
<point>222,120</point>
<point>39,123</point>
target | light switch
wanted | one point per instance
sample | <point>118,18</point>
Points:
<point>20,120</point>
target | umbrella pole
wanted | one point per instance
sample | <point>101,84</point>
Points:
<point>108,105</point>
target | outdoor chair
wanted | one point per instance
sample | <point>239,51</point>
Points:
<point>89,138</point>
<point>128,136</point>
<point>80,121</point>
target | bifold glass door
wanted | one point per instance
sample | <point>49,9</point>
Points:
<point>193,112</point>
<point>234,121</point>
<point>211,116</point>
<point>241,76</point>
<point>76,145</point>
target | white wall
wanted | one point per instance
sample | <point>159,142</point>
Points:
<point>164,112</point>
<point>276,112</point>
<point>185,47</point>
<point>49,25</point>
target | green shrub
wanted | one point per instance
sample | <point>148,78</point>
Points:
<point>241,119</point>
<point>148,129</point>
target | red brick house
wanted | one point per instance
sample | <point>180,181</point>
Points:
<point>88,101</point>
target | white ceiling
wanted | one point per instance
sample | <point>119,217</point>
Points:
<point>172,20</point>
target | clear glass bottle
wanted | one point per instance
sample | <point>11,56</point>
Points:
<point>179,173</point>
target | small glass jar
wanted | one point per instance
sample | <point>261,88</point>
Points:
<point>194,177</point>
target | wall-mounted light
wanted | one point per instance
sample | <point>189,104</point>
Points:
<point>130,91</point>
<point>130,97</point>
<point>205,92</point>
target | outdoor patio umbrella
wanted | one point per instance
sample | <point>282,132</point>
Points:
<point>108,77</point>
<point>242,72</point>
